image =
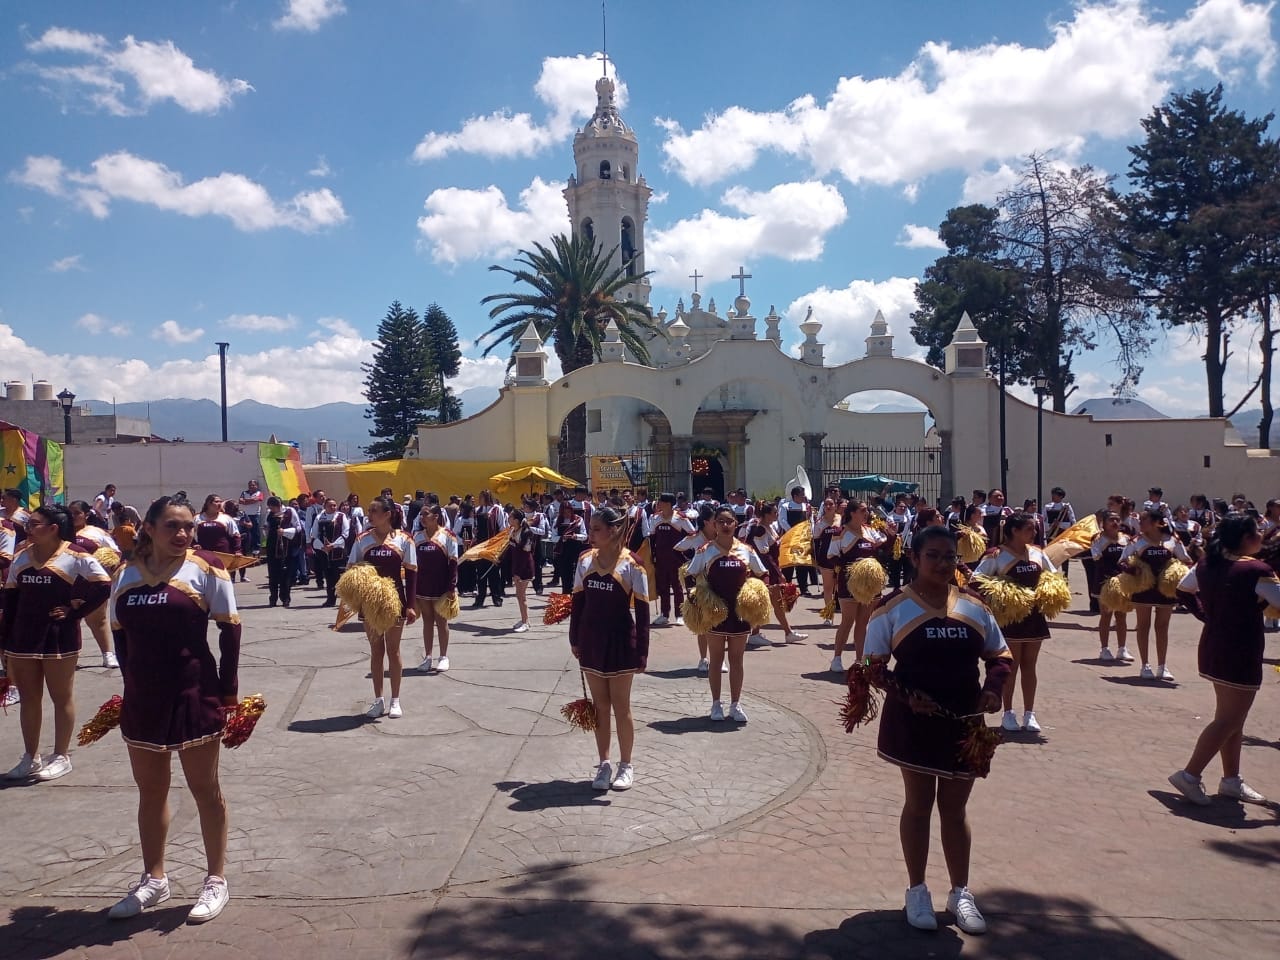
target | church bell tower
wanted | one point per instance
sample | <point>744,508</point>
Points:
<point>608,199</point>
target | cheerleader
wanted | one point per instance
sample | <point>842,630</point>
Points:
<point>826,526</point>
<point>971,537</point>
<point>857,541</point>
<point>215,531</point>
<point>936,635</point>
<point>52,585</point>
<point>522,542</point>
<point>1023,563</point>
<point>763,535</point>
<point>1155,547</point>
<point>664,529</point>
<point>727,562</point>
<point>175,694</point>
<point>437,552</point>
<point>1232,590</point>
<point>392,554</point>
<point>1107,549</point>
<point>609,636</point>
<point>91,538</point>
<point>706,532</point>
<point>1188,532</point>
<point>8,547</point>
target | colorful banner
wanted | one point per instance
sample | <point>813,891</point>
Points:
<point>32,465</point>
<point>282,470</point>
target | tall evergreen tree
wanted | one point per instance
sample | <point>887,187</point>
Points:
<point>399,384</point>
<point>446,360</point>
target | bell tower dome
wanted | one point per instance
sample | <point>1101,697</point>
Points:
<point>608,199</point>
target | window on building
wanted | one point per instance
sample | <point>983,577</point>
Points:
<point>593,421</point>
<point>604,170</point>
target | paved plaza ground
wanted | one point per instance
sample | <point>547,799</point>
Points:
<point>467,829</point>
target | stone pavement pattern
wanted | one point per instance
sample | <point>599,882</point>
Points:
<point>466,829</point>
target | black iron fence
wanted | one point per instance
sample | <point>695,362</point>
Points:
<point>908,464</point>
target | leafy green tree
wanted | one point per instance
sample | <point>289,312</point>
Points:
<point>399,384</point>
<point>1193,178</point>
<point>446,360</point>
<point>570,292</point>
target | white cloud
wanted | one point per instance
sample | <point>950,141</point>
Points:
<point>158,71</point>
<point>969,108</point>
<point>566,86</point>
<point>95,324</point>
<point>123,176</point>
<point>308,15</point>
<point>917,237</point>
<point>846,315</point>
<point>171,332</point>
<point>261,323</point>
<point>789,221</point>
<point>983,186</point>
<point>67,263</point>
<point>479,224</point>
<point>321,169</point>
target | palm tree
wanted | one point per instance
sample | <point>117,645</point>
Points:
<point>573,292</point>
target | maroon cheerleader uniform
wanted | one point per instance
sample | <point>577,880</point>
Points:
<point>1157,556</point>
<point>609,620</point>
<point>173,686</point>
<point>395,558</point>
<point>846,549</point>
<point>220,535</point>
<point>768,546</point>
<point>726,573</point>
<point>437,564</point>
<point>522,543</point>
<point>1025,573</point>
<point>1106,554</point>
<point>826,532</point>
<point>33,589</point>
<point>1231,600</point>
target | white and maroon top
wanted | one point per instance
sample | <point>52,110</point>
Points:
<point>33,589</point>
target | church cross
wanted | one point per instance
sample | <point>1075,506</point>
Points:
<point>742,277</point>
<point>695,277</point>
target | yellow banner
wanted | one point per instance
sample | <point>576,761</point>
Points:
<point>490,549</point>
<point>1073,540</point>
<point>607,473</point>
<point>795,549</point>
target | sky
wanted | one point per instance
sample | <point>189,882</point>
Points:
<point>274,173</point>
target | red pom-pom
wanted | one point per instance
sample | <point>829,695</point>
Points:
<point>790,594</point>
<point>581,714</point>
<point>559,606</point>
<point>979,746</point>
<point>862,703</point>
<point>104,721</point>
<point>241,719</point>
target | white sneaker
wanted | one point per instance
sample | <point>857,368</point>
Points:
<point>757,640</point>
<point>679,621</point>
<point>1029,723</point>
<point>1146,673</point>
<point>520,627</point>
<point>375,709</point>
<point>27,768</point>
<point>395,713</point>
<point>920,908</point>
<point>796,637</point>
<point>109,660</point>
<point>704,667</point>
<point>147,892</point>
<point>1124,654</point>
<point>442,665</point>
<point>604,776</point>
<point>213,897</point>
<point>1190,787</point>
<point>837,665</point>
<point>828,622</point>
<point>736,714</point>
<point>724,665</point>
<point>58,766</point>
<point>961,906</point>
<point>1237,789</point>
<point>1163,673</point>
<point>1106,656</point>
<point>1010,721</point>
<point>11,697</point>
<point>625,778</point>
<point>717,711</point>
<point>425,665</point>
<point>659,621</point>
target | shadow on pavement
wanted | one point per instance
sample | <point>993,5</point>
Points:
<point>1136,681</point>
<point>1263,852</point>
<point>827,675</point>
<point>695,725</point>
<point>553,793</point>
<point>330,724</point>
<point>1095,662</point>
<point>34,933</point>
<point>678,674</point>
<point>1221,812</point>
<point>1250,740</point>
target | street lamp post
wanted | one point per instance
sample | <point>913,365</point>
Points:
<point>67,399</point>
<point>1042,390</point>
<point>222,365</point>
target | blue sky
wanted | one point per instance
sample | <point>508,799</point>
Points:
<point>275,173</point>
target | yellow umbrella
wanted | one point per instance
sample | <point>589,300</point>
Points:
<point>534,475</point>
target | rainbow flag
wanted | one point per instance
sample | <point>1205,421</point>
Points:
<point>282,470</point>
<point>32,465</point>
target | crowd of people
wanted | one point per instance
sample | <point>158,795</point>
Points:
<point>616,554</point>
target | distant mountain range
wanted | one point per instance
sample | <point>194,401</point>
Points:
<point>342,424</point>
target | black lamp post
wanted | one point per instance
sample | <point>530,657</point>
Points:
<point>1042,390</point>
<point>67,399</point>
<point>222,365</point>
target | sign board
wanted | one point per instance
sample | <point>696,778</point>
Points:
<point>608,473</point>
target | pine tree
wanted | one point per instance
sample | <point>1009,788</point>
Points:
<point>446,359</point>
<point>399,383</point>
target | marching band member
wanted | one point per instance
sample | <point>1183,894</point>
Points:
<point>571,540</point>
<point>793,511</point>
<point>330,534</point>
<point>283,539</point>
<point>437,552</point>
<point>1107,549</point>
<point>1157,548</point>
<point>665,529</point>
<point>857,541</point>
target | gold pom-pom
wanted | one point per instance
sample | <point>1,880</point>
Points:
<point>753,603</point>
<point>371,595</point>
<point>448,606</point>
<point>1052,594</point>
<point>1139,578</point>
<point>559,606</point>
<point>1170,577</point>
<point>703,609</point>
<point>108,558</point>
<point>866,579</point>
<point>1272,613</point>
<point>241,719</point>
<point>829,610</point>
<point>104,721</point>
<point>1009,601</point>
<point>971,544</point>
<point>1112,596</point>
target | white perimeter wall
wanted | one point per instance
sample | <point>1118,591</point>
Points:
<point>144,471</point>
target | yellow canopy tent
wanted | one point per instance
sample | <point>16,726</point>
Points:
<point>444,477</point>
<point>533,475</point>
